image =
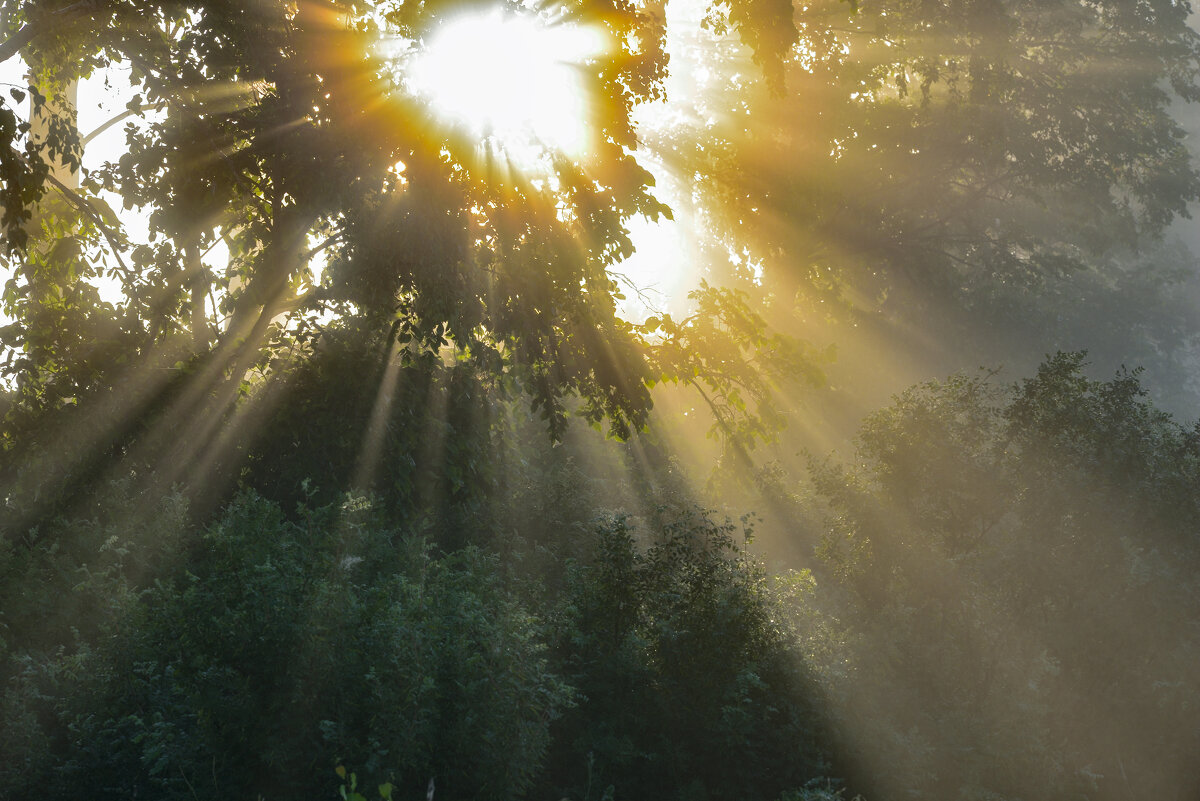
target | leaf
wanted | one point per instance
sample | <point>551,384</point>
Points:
<point>106,212</point>
<point>17,95</point>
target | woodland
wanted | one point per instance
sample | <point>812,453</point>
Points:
<point>338,459</point>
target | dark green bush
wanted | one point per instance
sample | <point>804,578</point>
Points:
<point>277,650</point>
<point>690,684</point>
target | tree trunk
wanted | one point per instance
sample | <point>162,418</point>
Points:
<point>60,104</point>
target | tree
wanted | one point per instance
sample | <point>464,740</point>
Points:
<point>1018,567</point>
<point>266,652</point>
<point>955,144</point>
<point>286,135</point>
<point>958,127</point>
<point>953,183</point>
<point>691,683</point>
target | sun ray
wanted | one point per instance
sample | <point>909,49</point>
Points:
<point>370,451</point>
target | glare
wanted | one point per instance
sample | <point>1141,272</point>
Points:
<point>514,81</point>
<point>656,277</point>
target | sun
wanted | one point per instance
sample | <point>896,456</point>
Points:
<point>515,81</point>
<point>522,84</point>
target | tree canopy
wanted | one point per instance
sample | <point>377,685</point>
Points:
<point>959,146</point>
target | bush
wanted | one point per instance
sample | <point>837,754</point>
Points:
<point>690,686</point>
<point>1019,570</point>
<point>279,650</point>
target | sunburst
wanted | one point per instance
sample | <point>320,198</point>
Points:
<point>515,82</point>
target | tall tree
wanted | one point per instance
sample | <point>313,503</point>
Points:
<point>911,143</point>
<point>288,134</point>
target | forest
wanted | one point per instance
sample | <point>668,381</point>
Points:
<point>600,400</point>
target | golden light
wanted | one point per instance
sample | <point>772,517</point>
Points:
<point>659,274</point>
<point>515,81</point>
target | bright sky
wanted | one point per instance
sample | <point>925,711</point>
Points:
<point>512,78</point>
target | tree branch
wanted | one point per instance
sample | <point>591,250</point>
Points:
<point>87,208</point>
<point>118,118</point>
<point>31,30</point>
<point>328,243</point>
<point>13,44</point>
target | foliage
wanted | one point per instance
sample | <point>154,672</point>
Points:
<point>275,648</point>
<point>425,435</point>
<point>965,182</point>
<point>688,685</point>
<point>957,144</point>
<point>288,135</point>
<point>349,789</point>
<point>967,157</point>
<point>1022,558</point>
<point>196,600</point>
<point>260,656</point>
<point>731,355</point>
<point>509,271</point>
